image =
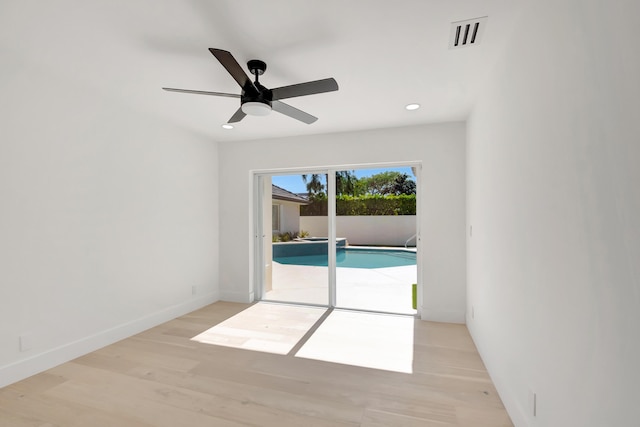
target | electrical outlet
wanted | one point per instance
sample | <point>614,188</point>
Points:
<point>26,342</point>
<point>533,403</point>
<point>470,230</point>
<point>473,312</point>
<point>194,290</point>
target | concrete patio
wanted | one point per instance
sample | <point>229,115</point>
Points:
<point>376,289</point>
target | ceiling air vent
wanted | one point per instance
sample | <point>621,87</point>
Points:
<point>467,33</point>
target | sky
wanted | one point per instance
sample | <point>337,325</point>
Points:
<point>295,184</point>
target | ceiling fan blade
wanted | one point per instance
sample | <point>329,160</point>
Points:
<point>302,89</point>
<point>231,65</point>
<point>202,92</point>
<point>237,116</point>
<point>293,112</point>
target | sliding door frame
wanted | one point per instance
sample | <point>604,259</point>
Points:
<point>259,234</point>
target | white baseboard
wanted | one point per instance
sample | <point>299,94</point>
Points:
<point>22,369</point>
<point>512,405</point>
<point>231,296</point>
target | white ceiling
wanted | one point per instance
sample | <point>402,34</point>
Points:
<point>383,54</point>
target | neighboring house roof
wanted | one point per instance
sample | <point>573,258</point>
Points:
<point>279,193</point>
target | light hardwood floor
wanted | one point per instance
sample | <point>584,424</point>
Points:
<point>162,378</point>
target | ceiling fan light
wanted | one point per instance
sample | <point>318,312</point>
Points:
<point>252,108</point>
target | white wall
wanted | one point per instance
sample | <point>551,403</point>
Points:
<point>554,201</point>
<point>389,230</point>
<point>108,218</point>
<point>441,148</point>
<point>289,216</point>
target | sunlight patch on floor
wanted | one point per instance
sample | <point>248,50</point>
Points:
<point>267,327</point>
<point>369,340</point>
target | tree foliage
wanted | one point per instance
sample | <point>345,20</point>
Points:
<point>345,183</point>
<point>403,185</point>
<point>389,182</point>
<point>370,204</point>
<point>385,193</point>
<point>314,184</point>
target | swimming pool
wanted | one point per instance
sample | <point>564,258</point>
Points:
<point>355,258</point>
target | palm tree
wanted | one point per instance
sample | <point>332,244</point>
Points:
<point>345,183</point>
<point>315,186</point>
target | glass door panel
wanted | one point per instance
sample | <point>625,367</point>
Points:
<point>376,239</point>
<point>296,257</point>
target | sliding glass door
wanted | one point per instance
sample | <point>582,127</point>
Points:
<point>342,238</point>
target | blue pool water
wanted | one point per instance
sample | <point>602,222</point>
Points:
<point>355,258</point>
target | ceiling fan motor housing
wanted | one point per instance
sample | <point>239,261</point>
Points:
<point>263,96</point>
<point>256,104</point>
<point>256,99</point>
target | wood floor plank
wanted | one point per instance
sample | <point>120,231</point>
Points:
<point>157,405</point>
<point>375,418</point>
<point>161,377</point>
<point>178,403</point>
<point>289,398</point>
<point>42,410</point>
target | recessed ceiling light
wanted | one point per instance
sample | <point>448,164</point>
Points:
<point>411,107</point>
<point>227,126</point>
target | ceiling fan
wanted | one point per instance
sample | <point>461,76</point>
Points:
<point>257,100</point>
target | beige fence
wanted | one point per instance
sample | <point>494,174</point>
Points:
<point>365,230</point>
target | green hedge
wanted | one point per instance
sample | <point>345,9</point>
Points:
<point>404,204</point>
